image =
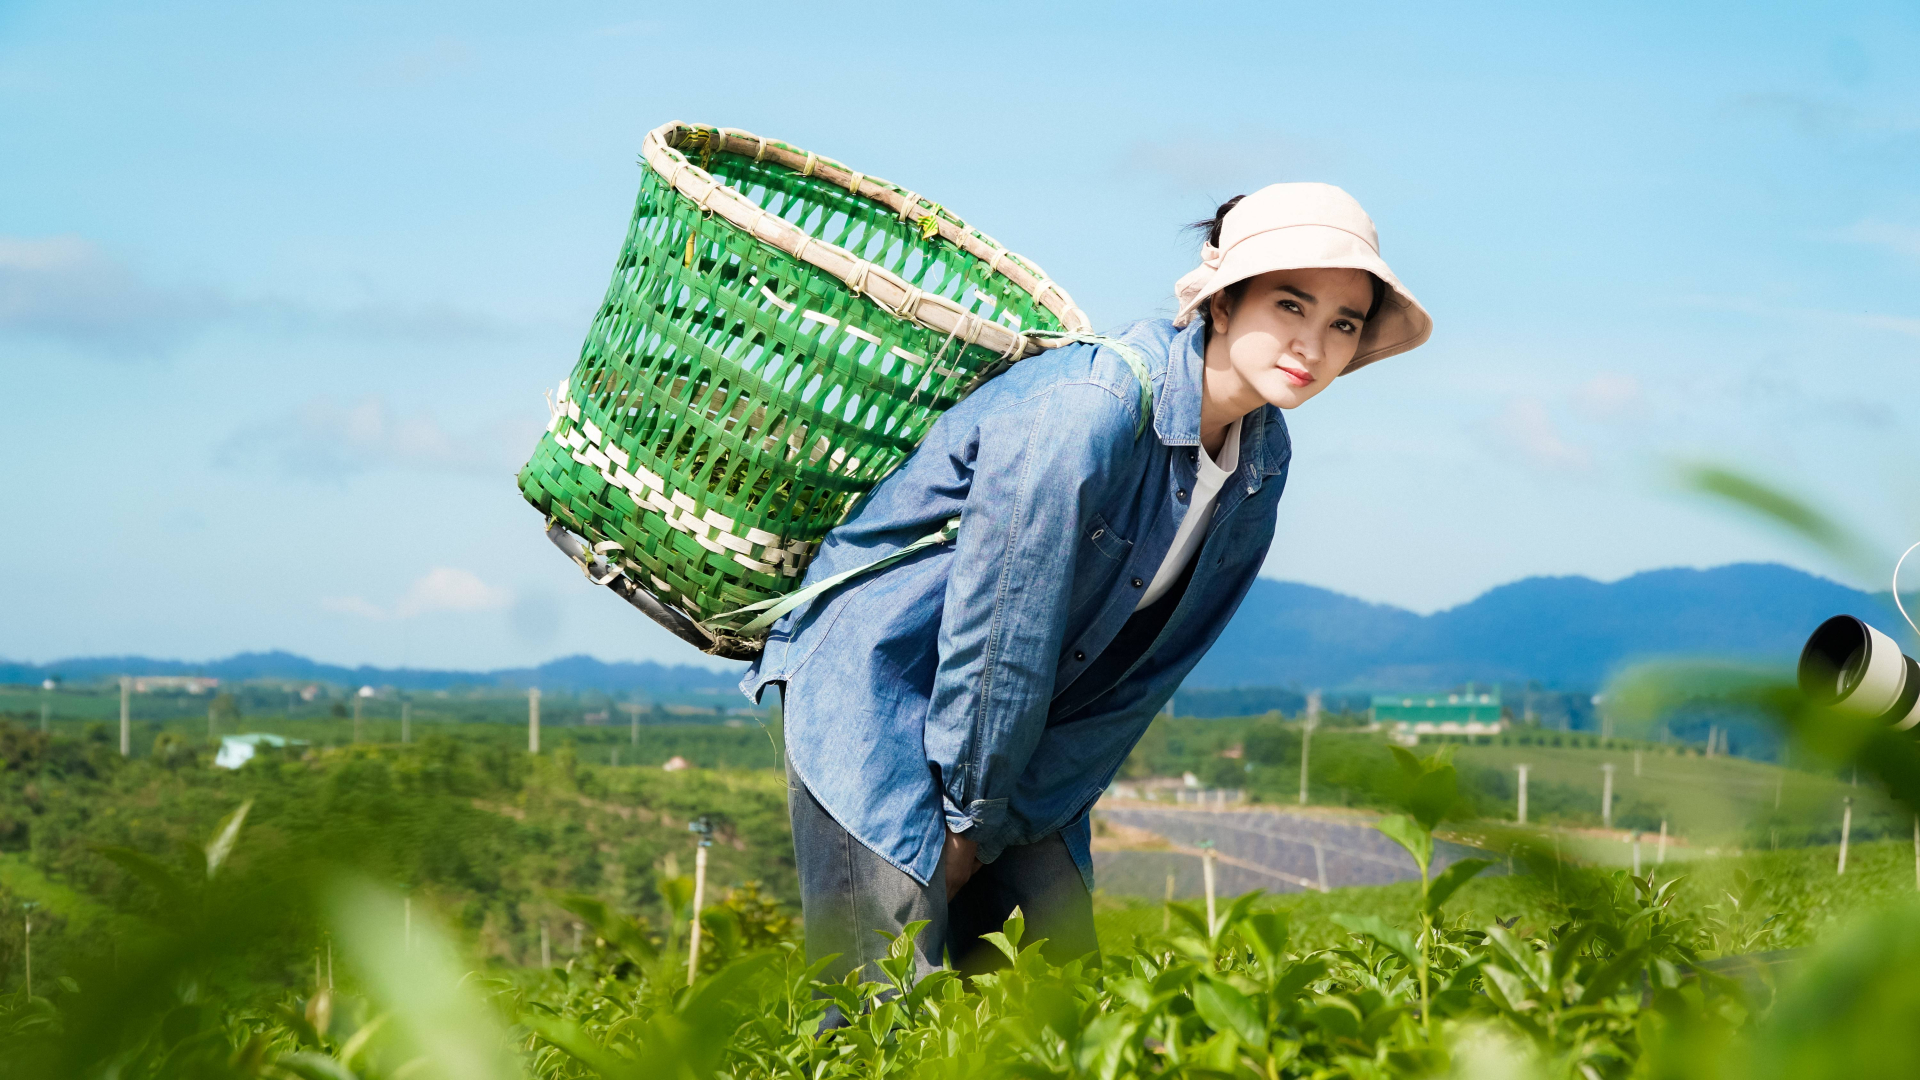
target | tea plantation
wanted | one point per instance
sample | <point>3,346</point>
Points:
<point>458,908</point>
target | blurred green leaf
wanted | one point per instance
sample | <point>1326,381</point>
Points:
<point>1784,510</point>
<point>1448,881</point>
<point>422,985</point>
<point>1433,795</point>
<point>1409,834</point>
<point>622,932</point>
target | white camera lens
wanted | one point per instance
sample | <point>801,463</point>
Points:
<point>1859,670</point>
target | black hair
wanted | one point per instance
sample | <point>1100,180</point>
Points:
<point>1210,227</point>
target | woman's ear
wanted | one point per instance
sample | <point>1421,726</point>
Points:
<point>1219,306</point>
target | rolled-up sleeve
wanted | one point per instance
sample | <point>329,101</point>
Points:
<point>1039,469</point>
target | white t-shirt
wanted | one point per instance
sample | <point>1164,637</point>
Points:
<point>1193,527</point>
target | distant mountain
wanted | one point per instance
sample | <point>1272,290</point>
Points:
<point>566,673</point>
<point>1564,632</point>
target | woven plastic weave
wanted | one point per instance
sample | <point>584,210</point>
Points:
<point>779,334</point>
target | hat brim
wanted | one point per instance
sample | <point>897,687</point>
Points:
<point>1400,324</point>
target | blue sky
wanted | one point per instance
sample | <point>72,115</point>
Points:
<point>281,285</point>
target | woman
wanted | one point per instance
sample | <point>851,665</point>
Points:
<point>951,720</point>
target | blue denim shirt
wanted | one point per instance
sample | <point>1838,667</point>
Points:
<point>947,690</point>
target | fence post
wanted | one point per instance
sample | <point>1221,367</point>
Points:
<point>28,943</point>
<point>406,722</point>
<point>1166,914</point>
<point>1846,827</point>
<point>533,720</point>
<point>1660,859</point>
<point>126,724</point>
<point>1206,871</point>
<point>1306,739</point>
<point>1523,793</point>
<point>1606,795</point>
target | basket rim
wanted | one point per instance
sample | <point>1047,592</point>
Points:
<point>885,288</point>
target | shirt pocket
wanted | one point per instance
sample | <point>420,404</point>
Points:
<point>1102,555</point>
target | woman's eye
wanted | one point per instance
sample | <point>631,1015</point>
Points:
<point>1344,326</point>
<point>1290,306</point>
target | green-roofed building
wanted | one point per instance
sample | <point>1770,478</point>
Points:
<point>1461,708</point>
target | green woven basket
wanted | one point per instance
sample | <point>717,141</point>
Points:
<point>780,333</point>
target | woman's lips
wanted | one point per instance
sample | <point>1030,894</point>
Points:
<point>1297,376</point>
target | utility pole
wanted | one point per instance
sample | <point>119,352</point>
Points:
<point>1306,739</point>
<point>1522,769</point>
<point>126,722</point>
<point>46,706</point>
<point>357,699</point>
<point>533,720</point>
<point>1606,795</point>
<point>632,709</point>
<point>702,828</point>
<point>406,722</point>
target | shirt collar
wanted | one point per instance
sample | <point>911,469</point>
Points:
<point>1264,445</point>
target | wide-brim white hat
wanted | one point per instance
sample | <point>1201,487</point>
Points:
<point>1301,226</point>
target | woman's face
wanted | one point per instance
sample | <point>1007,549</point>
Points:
<point>1289,333</point>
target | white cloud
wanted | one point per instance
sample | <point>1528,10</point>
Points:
<point>446,589</point>
<point>441,590</point>
<point>69,289</point>
<point>352,605</point>
<point>1528,426</point>
<point>65,287</point>
<point>1904,239</point>
<point>1610,396</point>
<point>327,439</point>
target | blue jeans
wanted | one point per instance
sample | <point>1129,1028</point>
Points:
<point>849,895</point>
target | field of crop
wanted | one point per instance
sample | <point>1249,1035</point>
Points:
<point>458,907</point>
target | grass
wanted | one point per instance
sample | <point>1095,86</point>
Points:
<point>1708,801</point>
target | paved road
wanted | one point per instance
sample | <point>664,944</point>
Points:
<point>1259,849</point>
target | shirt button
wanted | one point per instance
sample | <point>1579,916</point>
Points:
<point>1079,655</point>
<point>1181,494</point>
<point>1137,583</point>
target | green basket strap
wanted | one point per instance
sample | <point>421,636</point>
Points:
<point>769,611</point>
<point>1054,339</point>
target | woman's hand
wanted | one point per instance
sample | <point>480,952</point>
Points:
<point>962,858</point>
